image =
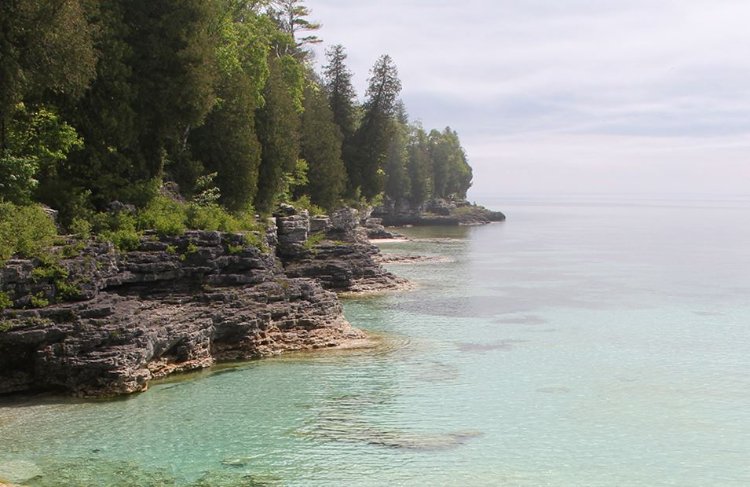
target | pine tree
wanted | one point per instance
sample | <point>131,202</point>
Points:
<point>321,148</point>
<point>277,126</point>
<point>372,139</point>
<point>398,183</point>
<point>291,16</point>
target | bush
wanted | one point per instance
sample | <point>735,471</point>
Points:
<point>304,203</point>
<point>26,231</point>
<point>118,228</point>
<point>165,215</point>
<point>5,301</point>
<point>80,227</point>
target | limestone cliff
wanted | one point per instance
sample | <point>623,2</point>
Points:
<point>99,322</point>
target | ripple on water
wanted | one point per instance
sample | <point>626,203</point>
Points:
<point>502,345</point>
<point>97,472</point>
<point>521,320</point>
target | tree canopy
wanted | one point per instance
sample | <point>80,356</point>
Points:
<point>109,100</point>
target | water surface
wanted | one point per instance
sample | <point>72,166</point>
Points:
<point>584,342</point>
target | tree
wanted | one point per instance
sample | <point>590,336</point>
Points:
<point>227,143</point>
<point>321,148</point>
<point>277,126</point>
<point>36,141</point>
<point>343,102</point>
<point>451,171</point>
<point>291,16</point>
<point>173,44</point>
<point>46,47</point>
<point>341,96</point>
<point>108,123</point>
<point>419,166</point>
<point>398,183</point>
<point>372,138</point>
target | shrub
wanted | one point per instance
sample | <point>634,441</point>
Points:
<point>304,203</point>
<point>80,227</point>
<point>118,228</point>
<point>25,230</point>
<point>208,217</point>
<point>39,301</point>
<point>165,215</point>
<point>5,301</point>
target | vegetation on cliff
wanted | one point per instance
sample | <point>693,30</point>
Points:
<point>110,101</point>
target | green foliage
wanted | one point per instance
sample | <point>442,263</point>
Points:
<point>372,140</point>
<point>45,47</point>
<point>277,126</point>
<point>256,239</point>
<point>119,228</point>
<point>164,215</point>
<point>293,181</point>
<point>5,301</point>
<point>39,300</point>
<point>35,141</point>
<point>451,172</point>
<point>171,250</point>
<point>304,203</point>
<point>102,101</point>
<point>341,96</point>
<point>419,166</point>
<point>235,249</point>
<point>321,148</point>
<point>80,227</point>
<point>206,191</point>
<point>26,231</point>
<point>291,16</point>
<point>398,182</point>
<point>314,240</point>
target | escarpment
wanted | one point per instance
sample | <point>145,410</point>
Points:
<point>94,321</point>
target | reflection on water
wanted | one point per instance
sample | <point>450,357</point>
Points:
<point>586,345</point>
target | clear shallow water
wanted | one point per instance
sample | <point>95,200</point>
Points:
<point>581,343</point>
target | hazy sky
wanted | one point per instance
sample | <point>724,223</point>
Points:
<point>569,96</point>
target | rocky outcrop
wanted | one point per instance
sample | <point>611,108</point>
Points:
<point>437,211</point>
<point>337,253</point>
<point>101,323</point>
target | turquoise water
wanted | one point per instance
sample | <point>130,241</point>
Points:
<point>584,342</point>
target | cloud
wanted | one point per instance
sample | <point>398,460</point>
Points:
<point>567,73</point>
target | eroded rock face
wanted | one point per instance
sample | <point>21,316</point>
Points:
<point>340,256</point>
<point>173,305</point>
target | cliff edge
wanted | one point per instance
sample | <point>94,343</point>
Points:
<point>99,322</point>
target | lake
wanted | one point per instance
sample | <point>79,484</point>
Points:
<point>587,341</point>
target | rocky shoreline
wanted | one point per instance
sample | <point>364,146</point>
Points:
<point>435,212</point>
<point>97,322</point>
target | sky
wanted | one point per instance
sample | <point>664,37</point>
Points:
<point>569,96</point>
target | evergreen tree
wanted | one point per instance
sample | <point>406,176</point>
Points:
<point>277,126</point>
<point>321,148</point>
<point>451,171</point>
<point>173,44</point>
<point>47,55</point>
<point>227,143</point>
<point>419,166</point>
<point>46,47</point>
<point>398,184</point>
<point>291,16</point>
<point>372,138</point>
<point>105,117</point>
<point>341,96</point>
